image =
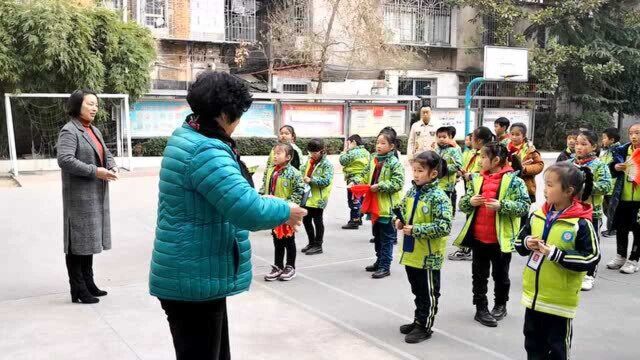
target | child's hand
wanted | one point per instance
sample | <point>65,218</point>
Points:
<point>399,224</point>
<point>621,167</point>
<point>407,229</point>
<point>374,188</point>
<point>544,248</point>
<point>477,200</point>
<point>350,185</point>
<point>306,179</point>
<point>532,243</point>
<point>492,204</point>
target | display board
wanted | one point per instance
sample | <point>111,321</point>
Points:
<point>489,116</point>
<point>453,117</point>
<point>368,120</point>
<point>314,120</point>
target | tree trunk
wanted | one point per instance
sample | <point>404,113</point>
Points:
<point>325,46</point>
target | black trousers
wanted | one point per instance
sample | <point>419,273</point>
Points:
<point>425,285</point>
<point>626,221</point>
<point>488,258</point>
<point>200,330</point>
<point>314,218</point>
<point>607,212</point>
<point>596,226</point>
<point>453,195</point>
<point>288,245</point>
<point>547,337</point>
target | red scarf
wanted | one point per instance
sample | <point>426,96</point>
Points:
<point>514,150</point>
<point>312,165</point>
<point>589,158</point>
<point>369,203</point>
<point>274,179</point>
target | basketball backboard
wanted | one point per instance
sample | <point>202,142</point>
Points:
<point>506,64</point>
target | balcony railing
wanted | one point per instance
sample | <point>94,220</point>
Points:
<point>418,22</point>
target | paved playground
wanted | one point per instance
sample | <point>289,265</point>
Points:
<point>332,310</point>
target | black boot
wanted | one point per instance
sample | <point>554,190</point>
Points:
<point>79,291</point>
<point>314,250</point>
<point>499,311</point>
<point>351,225</point>
<point>359,222</point>
<point>407,328</point>
<point>87,274</point>
<point>484,317</point>
<point>372,268</point>
<point>418,334</point>
<point>306,248</point>
<point>381,273</point>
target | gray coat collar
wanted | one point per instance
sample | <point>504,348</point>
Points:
<point>86,136</point>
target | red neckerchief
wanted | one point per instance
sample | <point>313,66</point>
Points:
<point>274,179</point>
<point>369,203</point>
<point>589,158</point>
<point>312,165</point>
<point>376,171</point>
<point>514,150</point>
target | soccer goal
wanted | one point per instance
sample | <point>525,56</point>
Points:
<point>33,122</point>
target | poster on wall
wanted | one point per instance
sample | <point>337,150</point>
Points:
<point>257,121</point>
<point>453,117</point>
<point>368,120</point>
<point>159,118</point>
<point>489,116</point>
<point>314,120</point>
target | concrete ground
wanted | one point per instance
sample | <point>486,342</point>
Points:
<point>332,310</point>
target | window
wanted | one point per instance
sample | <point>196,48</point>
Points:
<point>114,4</point>
<point>240,20</point>
<point>300,16</point>
<point>418,22</point>
<point>417,87</point>
<point>155,14</point>
<point>489,31</point>
<point>295,88</point>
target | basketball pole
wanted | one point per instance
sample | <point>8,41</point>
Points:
<point>467,103</point>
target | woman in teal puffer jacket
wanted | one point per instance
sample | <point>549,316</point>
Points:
<point>207,206</point>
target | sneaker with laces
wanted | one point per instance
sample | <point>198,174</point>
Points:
<point>616,263</point>
<point>629,267</point>
<point>588,282</point>
<point>274,274</point>
<point>461,255</point>
<point>288,274</point>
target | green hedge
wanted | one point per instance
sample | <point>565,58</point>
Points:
<point>550,131</point>
<point>250,146</point>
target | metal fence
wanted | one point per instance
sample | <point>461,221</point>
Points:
<point>418,22</point>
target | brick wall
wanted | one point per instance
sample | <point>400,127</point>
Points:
<point>179,18</point>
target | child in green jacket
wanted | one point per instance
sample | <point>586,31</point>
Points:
<point>285,182</point>
<point>317,174</point>
<point>610,142</point>
<point>451,154</point>
<point>287,135</point>
<point>425,220</point>
<point>354,159</point>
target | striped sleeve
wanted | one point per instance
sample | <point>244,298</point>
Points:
<point>587,250</point>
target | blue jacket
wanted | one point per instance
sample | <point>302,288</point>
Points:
<point>205,209</point>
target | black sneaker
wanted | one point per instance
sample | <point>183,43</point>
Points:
<point>315,250</point>
<point>485,318</point>
<point>608,233</point>
<point>372,268</point>
<point>351,226</point>
<point>407,328</point>
<point>306,248</point>
<point>418,334</point>
<point>373,240</point>
<point>381,273</point>
<point>499,311</point>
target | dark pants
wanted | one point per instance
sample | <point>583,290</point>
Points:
<point>200,329</point>
<point>314,218</point>
<point>453,195</point>
<point>425,285</point>
<point>280,245</point>
<point>80,271</point>
<point>627,221</point>
<point>354,205</point>
<point>596,226</point>
<point>547,337</point>
<point>607,212</point>
<point>486,258</point>
<point>385,235</point>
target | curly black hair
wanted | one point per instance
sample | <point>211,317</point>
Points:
<point>216,93</point>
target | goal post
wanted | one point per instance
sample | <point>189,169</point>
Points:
<point>123,121</point>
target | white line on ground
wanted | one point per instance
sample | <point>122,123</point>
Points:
<point>398,315</point>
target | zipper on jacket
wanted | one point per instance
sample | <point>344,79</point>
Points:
<point>537,285</point>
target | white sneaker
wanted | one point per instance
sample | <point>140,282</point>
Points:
<point>588,282</point>
<point>616,263</point>
<point>629,267</point>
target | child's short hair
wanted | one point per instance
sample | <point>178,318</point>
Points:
<point>503,122</point>
<point>288,149</point>
<point>444,129</point>
<point>612,133</point>
<point>591,136</point>
<point>431,160</point>
<point>355,138</point>
<point>579,178</point>
<point>452,131</point>
<point>573,133</point>
<point>316,144</point>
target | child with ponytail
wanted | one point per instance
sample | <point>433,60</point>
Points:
<point>561,244</point>
<point>495,201</point>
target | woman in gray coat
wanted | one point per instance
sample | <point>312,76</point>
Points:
<point>87,167</point>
